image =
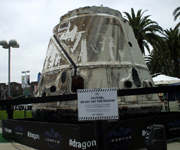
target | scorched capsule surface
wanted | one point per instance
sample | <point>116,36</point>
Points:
<point>93,47</point>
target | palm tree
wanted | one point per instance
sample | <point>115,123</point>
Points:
<point>172,40</point>
<point>158,63</point>
<point>144,29</point>
<point>176,14</point>
<point>165,57</point>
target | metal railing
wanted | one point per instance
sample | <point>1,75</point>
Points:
<point>71,97</point>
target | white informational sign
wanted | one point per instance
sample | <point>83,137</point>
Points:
<point>97,104</point>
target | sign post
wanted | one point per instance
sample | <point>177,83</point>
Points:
<point>98,105</point>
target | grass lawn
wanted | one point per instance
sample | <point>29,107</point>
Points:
<point>16,115</point>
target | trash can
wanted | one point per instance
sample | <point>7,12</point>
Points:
<point>155,138</point>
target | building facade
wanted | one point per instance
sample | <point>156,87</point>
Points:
<point>33,88</point>
<point>16,90</point>
<point>3,91</point>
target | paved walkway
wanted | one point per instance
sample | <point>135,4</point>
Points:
<point>13,145</point>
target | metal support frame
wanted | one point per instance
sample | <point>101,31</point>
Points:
<point>100,135</point>
<point>9,72</point>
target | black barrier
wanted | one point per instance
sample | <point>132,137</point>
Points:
<point>100,135</point>
<point>98,125</point>
<point>70,97</point>
<point>123,134</point>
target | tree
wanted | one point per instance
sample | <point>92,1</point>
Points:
<point>165,57</point>
<point>158,62</point>
<point>172,40</point>
<point>144,29</point>
<point>176,14</point>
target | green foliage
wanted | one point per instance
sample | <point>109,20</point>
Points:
<point>176,14</point>
<point>172,48</point>
<point>144,29</point>
<point>165,56</point>
<point>157,64</point>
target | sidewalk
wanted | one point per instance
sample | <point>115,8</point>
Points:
<point>170,146</point>
<point>12,145</point>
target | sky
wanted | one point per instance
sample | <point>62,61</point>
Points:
<point>31,23</point>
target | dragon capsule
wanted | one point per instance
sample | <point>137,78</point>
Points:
<point>92,48</point>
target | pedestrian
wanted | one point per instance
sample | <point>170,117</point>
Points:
<point>161,97</point>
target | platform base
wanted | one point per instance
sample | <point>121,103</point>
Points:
<point>122,134</point>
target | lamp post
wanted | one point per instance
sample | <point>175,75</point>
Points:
<point>12,43</point>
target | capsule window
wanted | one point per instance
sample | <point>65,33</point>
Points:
<point>63,77</point>
<point>136,77</point>
<point>52,89</point>
<point>128,84</point>
<point>130,44</point>
<point>77,83</point>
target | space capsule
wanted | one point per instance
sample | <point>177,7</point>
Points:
<point>92,48</point>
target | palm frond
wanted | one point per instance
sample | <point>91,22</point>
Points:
<point>176,13</point>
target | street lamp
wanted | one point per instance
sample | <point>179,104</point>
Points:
<point>12,43</point>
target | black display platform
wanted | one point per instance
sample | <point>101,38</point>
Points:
<point>123,134</point>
